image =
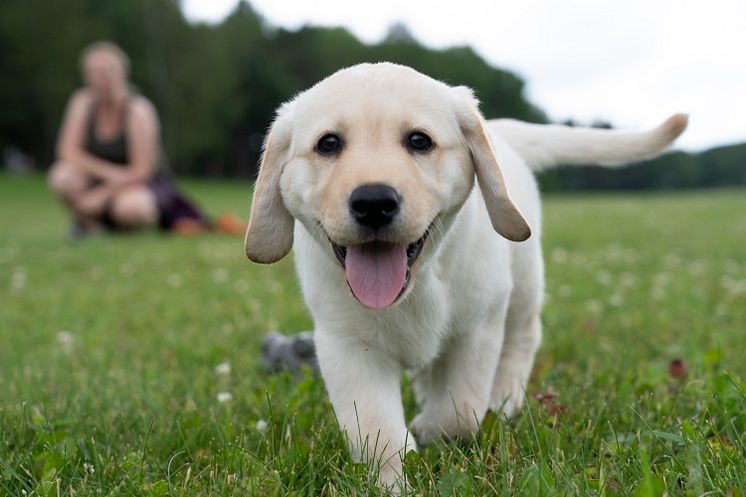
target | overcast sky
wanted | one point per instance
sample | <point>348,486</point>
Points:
<point>630,62</point>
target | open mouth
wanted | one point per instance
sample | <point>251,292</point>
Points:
<point>379,272</point>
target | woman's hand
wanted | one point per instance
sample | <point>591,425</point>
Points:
<point>94,202</point>
<point>117,177</point>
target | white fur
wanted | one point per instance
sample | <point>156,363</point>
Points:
<point>469,327</point>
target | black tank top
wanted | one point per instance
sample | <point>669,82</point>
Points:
<point>116,149</point>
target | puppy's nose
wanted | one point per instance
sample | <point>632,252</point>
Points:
<point>374,206</point>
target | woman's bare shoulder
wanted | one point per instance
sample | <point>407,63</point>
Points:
<point>81,97</point>
<point>140,103</point>
<point>78,104</point>
<point>142,108</point>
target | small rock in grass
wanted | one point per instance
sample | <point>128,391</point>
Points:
<point>288,353</point>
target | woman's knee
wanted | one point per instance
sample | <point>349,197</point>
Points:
<point>134,207</point>
<point>66,181</point>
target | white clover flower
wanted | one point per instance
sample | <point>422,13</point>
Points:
<point>18,280</point>
<point>697,268</point>
<point>616,300</point>
<point>261,426</point>
<point>738,288</point>
<point>672,260</point>
<point>628,280</point>
<point>565,291</point>
<point>732,286</point>
<point>559,255</point>
<point>241,286</point>
<point>732,266</point>
<point>604,277</point>
<point>631,256</point>
<point>219,275</point>
<point>126,270</point>
<point>593,306</point>
<point>275,287</point>
<point>657,293</point>
<point>721,310</point>
<point>175,280</point>
<point>223,368</point>
<point>224,397</point>
<point>65,339</point>
<point>96,273</point>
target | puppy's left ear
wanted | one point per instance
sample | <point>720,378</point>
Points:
<point>506,219</point>
<point>269,235</point>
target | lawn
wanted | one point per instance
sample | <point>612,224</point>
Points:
<point>130,365</point>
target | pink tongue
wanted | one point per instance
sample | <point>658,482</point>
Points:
<point>376,273</point>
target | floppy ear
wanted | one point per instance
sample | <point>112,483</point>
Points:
<point>506,219</point>
<point>269,236</point>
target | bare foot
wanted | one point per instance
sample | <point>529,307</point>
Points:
<point>188,227</point>
<point>230,225</point>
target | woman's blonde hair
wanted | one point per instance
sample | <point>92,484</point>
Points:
<point>105,46</point>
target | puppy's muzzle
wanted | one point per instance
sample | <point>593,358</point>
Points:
<point>374,206</point>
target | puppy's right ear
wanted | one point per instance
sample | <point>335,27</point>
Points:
<point>269,236</point>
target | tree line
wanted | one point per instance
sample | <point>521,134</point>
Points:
<point>216,86</point>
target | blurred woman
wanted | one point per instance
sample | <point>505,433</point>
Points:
<point>110,171</point>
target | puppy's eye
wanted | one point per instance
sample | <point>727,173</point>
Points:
<point>419,141</point>
<point>328,144</point>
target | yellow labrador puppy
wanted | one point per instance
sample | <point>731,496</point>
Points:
<point>404,263</point>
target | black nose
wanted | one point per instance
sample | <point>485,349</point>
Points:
<point>374,205</point>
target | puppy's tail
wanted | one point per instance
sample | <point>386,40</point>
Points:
<point>544,146</point>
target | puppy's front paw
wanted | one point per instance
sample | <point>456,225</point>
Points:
<point>391,478</point>
<point>508,394</point>
<point>427,427</point>
<point>425,431</point>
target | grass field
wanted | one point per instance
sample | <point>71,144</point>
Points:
<point>113,353</point>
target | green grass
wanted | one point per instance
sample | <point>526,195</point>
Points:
<point>108,349</point>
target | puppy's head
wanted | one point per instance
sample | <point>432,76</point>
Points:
<point>375,161</point>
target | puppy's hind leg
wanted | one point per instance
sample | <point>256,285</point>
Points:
<point>522,339</point>
<point>522,331</point>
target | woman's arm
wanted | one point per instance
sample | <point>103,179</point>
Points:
<point>71,138</point>
<point>143,132</point>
